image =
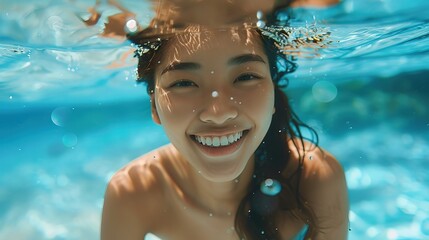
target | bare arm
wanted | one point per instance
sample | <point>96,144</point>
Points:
<point>325,193</point>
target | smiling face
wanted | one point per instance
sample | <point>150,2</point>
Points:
<point>214,98</point>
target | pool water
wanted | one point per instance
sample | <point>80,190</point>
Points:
<point>71,114</point>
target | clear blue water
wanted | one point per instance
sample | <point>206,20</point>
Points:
<point>71,115</point>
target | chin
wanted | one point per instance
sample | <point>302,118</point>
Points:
<point>223,172</point>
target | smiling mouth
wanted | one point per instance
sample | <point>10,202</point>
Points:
<point>219,141</point>
<point>220,145</point>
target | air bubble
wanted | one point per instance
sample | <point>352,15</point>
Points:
<point>10,97</point>
<point>424,226</point>
<point>70,140</point>
<point>131,26</point>
<point>61,115</point>
<point>271,187</point>
<point>324,91</point>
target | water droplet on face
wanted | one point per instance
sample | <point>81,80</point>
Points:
<point>211,72</point>
<point>271,187</point>
<point>215,94</point>
<point>193,110</point>
<point>231,98</point>
<point>310,157</point>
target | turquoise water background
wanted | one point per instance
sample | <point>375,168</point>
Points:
<point>71,114</point>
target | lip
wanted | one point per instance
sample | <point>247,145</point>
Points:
<point>220,150</point>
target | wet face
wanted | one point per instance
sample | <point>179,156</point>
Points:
<point>214,98</point>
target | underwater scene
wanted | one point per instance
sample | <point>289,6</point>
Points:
<point>71,113</point>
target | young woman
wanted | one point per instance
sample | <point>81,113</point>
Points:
<point>238,166</point>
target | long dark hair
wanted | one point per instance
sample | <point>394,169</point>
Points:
<point>255,217</point>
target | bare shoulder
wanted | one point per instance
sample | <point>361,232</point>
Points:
<point>324,190</point>
<point>134,197</point>
<point>320,166</point>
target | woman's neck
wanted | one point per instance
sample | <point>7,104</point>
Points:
<point>220,198</point>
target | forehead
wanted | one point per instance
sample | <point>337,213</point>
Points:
<point>213,45</point>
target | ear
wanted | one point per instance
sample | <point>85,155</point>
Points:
<point>155,116</point>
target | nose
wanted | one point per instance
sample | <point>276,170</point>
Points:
<point>218,110</point>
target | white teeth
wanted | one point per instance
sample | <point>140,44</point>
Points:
<point>219,140</point>
<point>216,142</point>
<point>224,141</point>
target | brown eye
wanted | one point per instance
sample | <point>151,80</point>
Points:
<point>247,77</point>
<point>183,84</point>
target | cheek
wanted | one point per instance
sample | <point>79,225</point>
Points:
<point>173,109</point>
<point>259,101</point>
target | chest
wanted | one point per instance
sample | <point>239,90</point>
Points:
<point>185,224</point>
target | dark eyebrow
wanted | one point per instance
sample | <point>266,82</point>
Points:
<point>181,66</point>
<point>245,58</point>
